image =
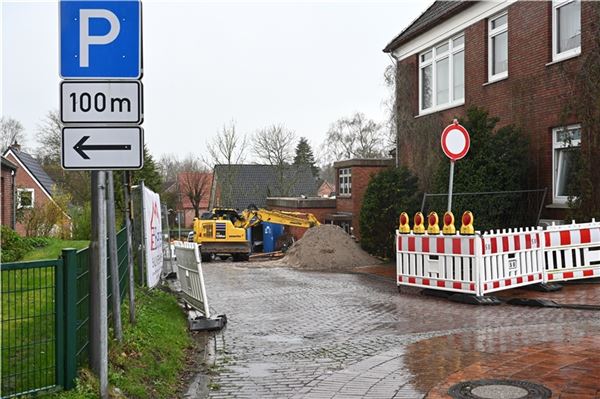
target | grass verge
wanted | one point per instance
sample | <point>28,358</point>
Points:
<point>53,249</point>
<point>152,357</point>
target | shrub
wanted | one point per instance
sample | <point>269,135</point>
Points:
<point>389,193</point>
<point>14,247</point>
<point>496,161</point>
<point>37,242</point>
<point>82,222</point>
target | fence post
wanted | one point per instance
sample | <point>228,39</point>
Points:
<point>59,356</point>
<point>69,258</point>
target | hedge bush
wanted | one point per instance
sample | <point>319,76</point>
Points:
<point>14,247</point>
<point>389,193</point>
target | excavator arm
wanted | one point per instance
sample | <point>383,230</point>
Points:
<point>251,217</point>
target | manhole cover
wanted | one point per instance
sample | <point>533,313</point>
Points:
<point>499,389</point>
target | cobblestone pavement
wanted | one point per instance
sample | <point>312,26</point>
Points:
<point>295,334</point>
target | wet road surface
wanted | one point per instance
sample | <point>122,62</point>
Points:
<point>295,334</point>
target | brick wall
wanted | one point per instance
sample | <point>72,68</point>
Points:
<point>6,198</point>
<point>533,97</point>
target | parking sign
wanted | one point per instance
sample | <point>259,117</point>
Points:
<point>100,39</point>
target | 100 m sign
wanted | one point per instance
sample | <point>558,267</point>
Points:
<point>101,102</point>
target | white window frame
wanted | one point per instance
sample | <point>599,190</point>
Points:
<point>491,34</point>
<point>345,181</point>
<point>557,146</point>
<point>30,190</point>
<point>452,50</point>
<point>556,56</point>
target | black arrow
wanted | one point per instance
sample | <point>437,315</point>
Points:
<point>80,148</point>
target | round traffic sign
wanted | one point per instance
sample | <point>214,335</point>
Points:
<point>455,141</point>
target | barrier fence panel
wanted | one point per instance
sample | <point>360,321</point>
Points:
<point>31,310</point>
<point>189,274</point>
<point>572,251</point>
<point>511,258</point>
<point>446,263</point>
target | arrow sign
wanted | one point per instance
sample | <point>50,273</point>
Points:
<point>80,148</point>
<point>106,148</point>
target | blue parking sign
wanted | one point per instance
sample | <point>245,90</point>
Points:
<point>100,39</point>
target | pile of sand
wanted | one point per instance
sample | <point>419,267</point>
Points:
<point>327,247</point>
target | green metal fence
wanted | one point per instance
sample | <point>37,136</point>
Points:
<point>45,311</point>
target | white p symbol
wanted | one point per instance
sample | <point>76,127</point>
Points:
<point>85,40</point>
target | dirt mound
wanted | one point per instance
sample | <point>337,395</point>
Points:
<point>327,247</point>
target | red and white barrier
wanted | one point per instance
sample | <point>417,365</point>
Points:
<point>446,263</point>
<point>572,251</point>
<point>511,258</point>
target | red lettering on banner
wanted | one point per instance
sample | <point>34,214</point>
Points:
<point>584,236</point>
<point>456,246</point>
<point>411,244</point>
<point>412,280</point>
<point>456,286</point>
<point>568,275</point>
<point>517,243</point>
<point>505,244</point>
<point>425,281</point>
<point>425,244</point>
<point>440,245</point>
<point>528,241</point>
<point>587,273</point>
<point>494,245</point>
<point>565,237</point>
<point>441,284</point>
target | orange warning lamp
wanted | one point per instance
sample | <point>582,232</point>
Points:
<point>419,227</point>
<point>449,223</point>
<point>404,226</point>
<point>433,223</point>
<point>467,223</point>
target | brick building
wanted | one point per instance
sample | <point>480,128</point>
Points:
<point>8,193</point>
<point>518,60</point>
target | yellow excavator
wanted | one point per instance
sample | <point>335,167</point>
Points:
<point>223,231</point>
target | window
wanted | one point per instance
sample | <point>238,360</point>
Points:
<point>498,47</point>
<point>25,197</point>
<point>566,29</point>
<point>566,148</point>
<point>345,182</point>
<point>442,75</point>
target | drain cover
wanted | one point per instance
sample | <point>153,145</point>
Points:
<point>499,389</point>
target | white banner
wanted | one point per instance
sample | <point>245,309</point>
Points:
<point>153,237</point>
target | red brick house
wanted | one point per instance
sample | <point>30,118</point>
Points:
<point>517,59</point>
<point>8,192</point>
<point>34,187</point>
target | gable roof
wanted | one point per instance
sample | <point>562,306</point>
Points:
<point>437,12</point>
<point>34,168</point>
<point>252,184</point>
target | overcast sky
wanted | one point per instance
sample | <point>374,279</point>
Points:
<point>303,64</point>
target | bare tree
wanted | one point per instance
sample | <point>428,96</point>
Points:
<point>274,145</point>
<point>355,137</point>
<point>227,147</point>
<point>50,138</point>
<point>11,130</point>
<point>194,182</point>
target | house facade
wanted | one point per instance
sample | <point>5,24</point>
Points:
<point>8,192</point>
<point>517,59</point>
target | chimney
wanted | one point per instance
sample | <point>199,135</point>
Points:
<point>16,146</point>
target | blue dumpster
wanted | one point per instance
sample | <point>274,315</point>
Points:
<point>271,232</point>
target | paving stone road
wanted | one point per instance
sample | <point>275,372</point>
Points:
<point>296,334</point>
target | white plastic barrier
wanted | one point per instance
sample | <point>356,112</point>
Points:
<point>511,258</point>
<point>189,274</point>
<point>447,263</point>
<point>572,251</point>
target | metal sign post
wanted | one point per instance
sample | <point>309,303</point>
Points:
<point>128,207</point>
<point>455,144</point>
<point>113,257</point>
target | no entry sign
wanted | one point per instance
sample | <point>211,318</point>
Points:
<point>455,141</point>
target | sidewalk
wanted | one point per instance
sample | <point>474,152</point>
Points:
<point>570,369</point>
